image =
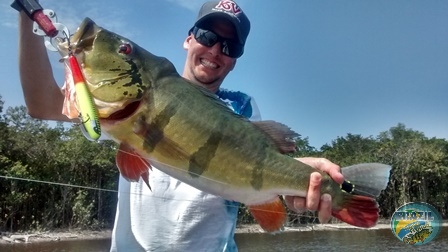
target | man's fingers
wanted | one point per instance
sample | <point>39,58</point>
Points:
<point>297,204</point>
<point>314,201</point>
<point>326,166</point>
<point>313,194</point>
<point>324,213</point>
<point>336,175</point>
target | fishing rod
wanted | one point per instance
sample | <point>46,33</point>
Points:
<point>45,24</point>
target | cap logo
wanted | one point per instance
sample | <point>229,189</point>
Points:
<point>228,6</point>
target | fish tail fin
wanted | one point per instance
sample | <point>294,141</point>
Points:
<point>364,182</point>
<point>360,211</point>
<point>366,179</point>
<point>131,165</point>
<point>271,216</point>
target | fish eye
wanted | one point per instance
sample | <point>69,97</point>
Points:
<point>125,48</point>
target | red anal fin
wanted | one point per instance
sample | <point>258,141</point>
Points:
<point>271,216</point>
<point>360,211</point>
<point>131,165</point>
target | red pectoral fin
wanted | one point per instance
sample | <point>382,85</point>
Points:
<point>131,165</point>
<point>271,216</point>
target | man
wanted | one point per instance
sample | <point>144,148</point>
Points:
<point>174,216</point>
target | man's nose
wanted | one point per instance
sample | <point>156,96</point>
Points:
<point>216,49</point>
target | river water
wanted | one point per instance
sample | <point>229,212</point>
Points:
<point>338,240</point>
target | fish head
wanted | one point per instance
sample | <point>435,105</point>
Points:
<point>116,70</point>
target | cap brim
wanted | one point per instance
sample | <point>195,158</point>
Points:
<point>200,22</point>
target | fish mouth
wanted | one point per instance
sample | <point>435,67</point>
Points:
<point>85,35</point>
<point>124,113</point>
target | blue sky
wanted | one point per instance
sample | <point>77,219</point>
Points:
<point>325,68</point>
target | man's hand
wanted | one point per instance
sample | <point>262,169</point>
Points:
<point>314,201</point>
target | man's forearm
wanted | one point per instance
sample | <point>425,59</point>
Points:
<point>43,96</point>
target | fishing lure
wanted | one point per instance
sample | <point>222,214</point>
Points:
<point>90,124</point>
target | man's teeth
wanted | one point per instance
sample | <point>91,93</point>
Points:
<point>209,64</point>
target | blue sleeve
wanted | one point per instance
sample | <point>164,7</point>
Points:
<point>241,103</point>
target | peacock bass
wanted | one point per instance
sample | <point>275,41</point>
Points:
<point>159,118</point>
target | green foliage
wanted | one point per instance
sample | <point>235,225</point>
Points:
<point>82,211</point>
<point>419,165</point>
<point>351,149</point>
<point>32,150</point>
<point>304,149</point>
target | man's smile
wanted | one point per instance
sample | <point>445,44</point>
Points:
<point>208,63</point>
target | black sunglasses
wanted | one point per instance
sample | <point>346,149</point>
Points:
<point>208,38</point>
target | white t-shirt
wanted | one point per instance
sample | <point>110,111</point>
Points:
<point>174,216</point>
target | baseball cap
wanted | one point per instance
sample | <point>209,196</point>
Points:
<point>229,10</point>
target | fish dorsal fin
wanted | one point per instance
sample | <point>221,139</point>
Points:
<point>131,165</point>
<point>282,135</point>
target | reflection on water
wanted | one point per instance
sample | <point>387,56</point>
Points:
<point>340,240</point>
<point>100,245</point>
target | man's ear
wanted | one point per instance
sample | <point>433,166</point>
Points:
<point>187,42</point>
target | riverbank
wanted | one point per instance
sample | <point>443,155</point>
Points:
<point>61,235</point>
<point>55,235</point>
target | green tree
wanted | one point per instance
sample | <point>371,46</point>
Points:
<point>349,150</point>
<point>419,168</point>
<point>31,151</point>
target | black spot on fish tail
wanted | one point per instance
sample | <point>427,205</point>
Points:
<point>200,160</point>
<point>348,187</point>
<point>257,173</point>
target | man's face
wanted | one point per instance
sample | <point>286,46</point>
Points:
<point>208,66</point>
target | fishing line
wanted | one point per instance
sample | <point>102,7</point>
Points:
<point>91,188</point>
<point>59,184</point>
<point>116,191</point>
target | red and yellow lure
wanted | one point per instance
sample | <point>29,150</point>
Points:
<point>88,113</point>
